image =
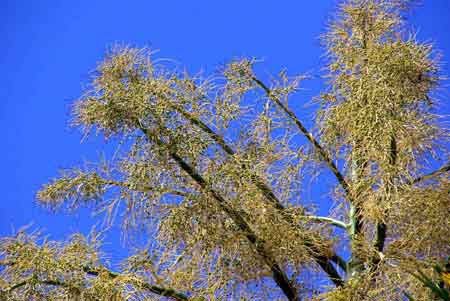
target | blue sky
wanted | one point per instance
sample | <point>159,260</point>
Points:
<point>50,47</point>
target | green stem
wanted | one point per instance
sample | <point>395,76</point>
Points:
<point>328,220</point>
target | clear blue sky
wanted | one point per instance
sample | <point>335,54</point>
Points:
<point>49,47</point>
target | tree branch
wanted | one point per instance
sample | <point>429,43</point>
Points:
<point>340,262</point>
<point>443,169</point>
<point>265,189</point>
<point>278,274</point>
<point>267,192</point>
<point>328,220</point>
<point>381,227</point>
<point>317,147</point>
<point>158,290</point>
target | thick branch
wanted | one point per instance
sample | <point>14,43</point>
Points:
<point>278,274</point>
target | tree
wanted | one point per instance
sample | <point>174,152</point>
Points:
<point>213,169</point>
<point>437,287</point>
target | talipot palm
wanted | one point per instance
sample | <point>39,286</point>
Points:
<point>214,169</point>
